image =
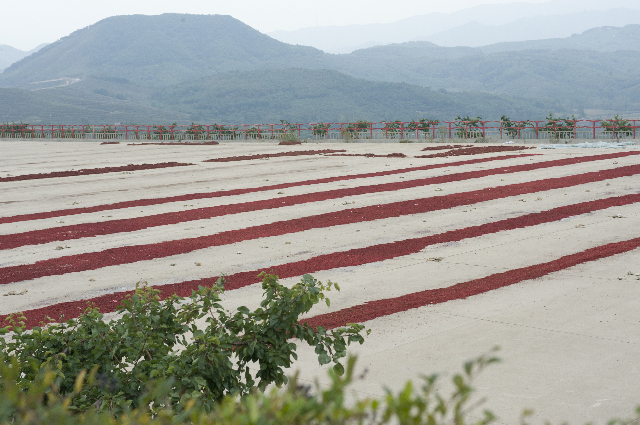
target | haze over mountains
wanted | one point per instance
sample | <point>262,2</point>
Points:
<point>475,26</point>
<point>213,68</point>
<point>9,55</point>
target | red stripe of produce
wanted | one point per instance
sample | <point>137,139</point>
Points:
<point>354,257</point>
<point>135,253</point>
<point>379,308</point>
<point>272,155</point>
<point>474,150</point>
<point>89,171</point>
<point>194,196</point>
<point>127,225</point>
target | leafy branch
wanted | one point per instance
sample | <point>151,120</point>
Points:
<point>156,339</point>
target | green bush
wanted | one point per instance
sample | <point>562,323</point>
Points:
<point>157,340</point>
<point>40,402</point>
<point>512,129</point>
<point>320,129</point>
<point>424,125</point>
<point>467,127</point>
<point>559,128</point>
<point>288,132</point>
<point>617,127</point>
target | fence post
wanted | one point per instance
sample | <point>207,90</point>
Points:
<point>536,130</point>
<point>613,123</point>
<point>593,125</point>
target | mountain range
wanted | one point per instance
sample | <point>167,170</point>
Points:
<point>475,26</point>
<point>175,67</point>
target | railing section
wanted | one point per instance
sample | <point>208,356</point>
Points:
<point>421,130</point>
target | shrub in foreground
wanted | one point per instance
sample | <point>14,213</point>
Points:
<point>40,402</point>
<point>156,340</point>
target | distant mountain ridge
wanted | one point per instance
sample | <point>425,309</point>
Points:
<point>422,27</point>
<point>602,39</point>
<point>475,34</point>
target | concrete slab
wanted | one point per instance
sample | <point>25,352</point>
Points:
<point>568,339</point>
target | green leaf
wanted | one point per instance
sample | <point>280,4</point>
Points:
<point>324,358</point>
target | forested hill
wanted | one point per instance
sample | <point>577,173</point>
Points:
<point>157,50</point>
<point>260,96</point>
<point>305,95</point>
<point>579,79</point>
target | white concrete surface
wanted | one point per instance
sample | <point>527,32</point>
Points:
<point>569,341</point>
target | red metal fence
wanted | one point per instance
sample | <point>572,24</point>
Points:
<point>423,129</point>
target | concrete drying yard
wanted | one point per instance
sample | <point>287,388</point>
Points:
<point>535,251</point>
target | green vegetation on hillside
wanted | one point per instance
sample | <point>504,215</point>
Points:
<point>303,95</point>
<point>253,97</point>
<point>74,105</point>
<point>575,78</point>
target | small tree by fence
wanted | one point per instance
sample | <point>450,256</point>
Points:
<point>560,128</point>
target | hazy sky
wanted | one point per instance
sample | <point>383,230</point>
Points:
<point>27,23</point>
